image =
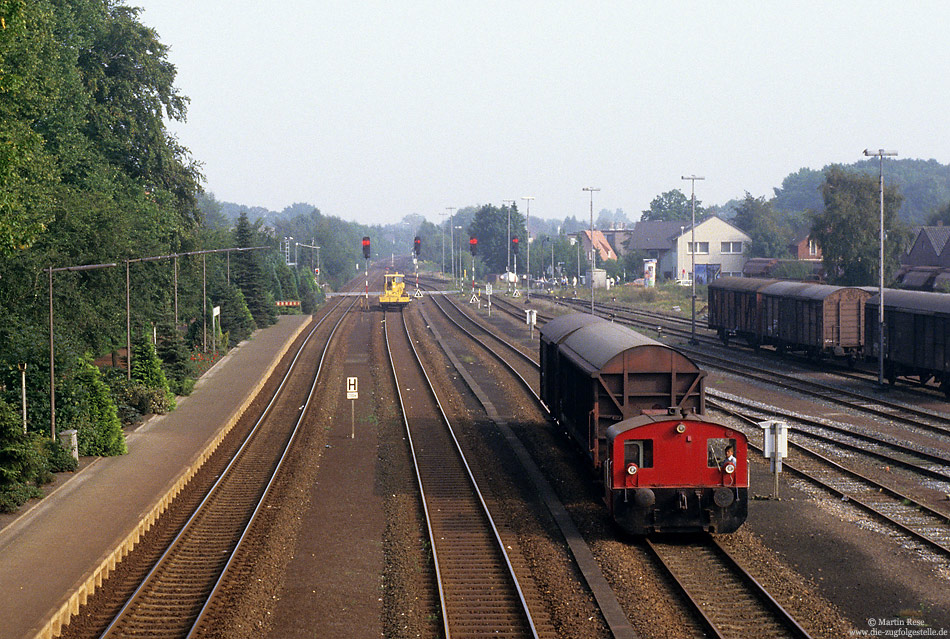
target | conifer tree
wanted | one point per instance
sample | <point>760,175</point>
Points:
<point>248,274</point>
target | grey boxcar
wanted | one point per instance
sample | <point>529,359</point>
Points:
<point>916,335</point>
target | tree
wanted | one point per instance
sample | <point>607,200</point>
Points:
<point>95,416</point>
<point>940,216</point>
<point>248,273</point>
<point>771,233</point>
<point>800,191</point>
<point>147,371</point>
<point>670,206</point>
<point>847,230</point>
<point>490,226</point>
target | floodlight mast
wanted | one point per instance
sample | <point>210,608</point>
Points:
<point>880,154</point>
<point>692,255</point>
<point>591,190</point>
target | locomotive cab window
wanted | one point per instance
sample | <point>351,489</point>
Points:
<point>639,452</point>
<point>716,450</point>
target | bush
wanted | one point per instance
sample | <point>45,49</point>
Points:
<point>151,400</point>
<point>123,396</point>
<point>147,371</point>
<point>96,416</point>
<point>58,459</point>
<point>24,464</point>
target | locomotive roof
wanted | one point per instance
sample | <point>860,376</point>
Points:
<point>643,420</point>
<point>592,342</point>
<point>920,301</point>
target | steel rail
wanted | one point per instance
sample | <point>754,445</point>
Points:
<point>903,500</point>
<point>706,609</point>
<point>416,456</point>
<point>153,573</point>
<point>847,432</point>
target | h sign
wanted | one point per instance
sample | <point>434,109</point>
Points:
<point>352,384</point>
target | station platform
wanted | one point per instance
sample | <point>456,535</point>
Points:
<point>55,554</point>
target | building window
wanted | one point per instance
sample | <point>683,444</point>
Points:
<point>812,247</point>
<point>701,248</point>
<point>732,248</point>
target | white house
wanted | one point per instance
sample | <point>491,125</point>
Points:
<point>720,250</point>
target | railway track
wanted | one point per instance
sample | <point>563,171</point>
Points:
<point>480,593</point>
<point>848,439</point>
<point>730,602</point>
<point>723,596</point>
<point>173,597</point>
<point>525,368</point>
<point>900,511</point>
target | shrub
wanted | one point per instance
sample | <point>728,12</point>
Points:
<point>147,371</point>
<point>23,466</point>
<point>96,416</point>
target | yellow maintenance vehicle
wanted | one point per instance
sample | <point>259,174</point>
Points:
<point>394,297</point>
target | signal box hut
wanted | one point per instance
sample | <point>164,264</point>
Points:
<point>595,373</point>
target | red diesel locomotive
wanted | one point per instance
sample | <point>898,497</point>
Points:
<point>634,406</point>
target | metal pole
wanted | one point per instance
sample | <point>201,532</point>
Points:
<point>204,304</point>
<point>128,323</point>
<point>510,203</point>
<point>175,271</point>
<point>52,373</point>
<point>591,190</point>
<point>527,222</point>
<point>442,227</point>
<point>880,153</point>
<point>452,239</point>
<point>692,256</point>
<point>22,367</point>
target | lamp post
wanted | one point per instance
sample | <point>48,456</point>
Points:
<point>451,214</point>
<point>442,228</point>
<point>592,263</point>
<point>52,368</point>
<point>880,154</point>
<point>510,204</point>
<point>692,256</point>
<point>458,272</point>
<point>527,222</point>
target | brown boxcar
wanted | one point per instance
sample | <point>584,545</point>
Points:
<point>595,373</point>
<point>916,335</point>
<point>815,318</point>
<point>734,307</point>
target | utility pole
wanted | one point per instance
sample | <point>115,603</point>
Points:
<point>881,154</point>
<point>527,221</point>
<point>692,255</point>
<point>591,190</point>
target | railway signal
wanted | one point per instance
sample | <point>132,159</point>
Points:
<point>417,246</point>
<point>473,245</point>
<point>366,247</point>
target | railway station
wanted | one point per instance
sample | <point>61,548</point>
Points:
<point>469,320</point>
<point>360,480</point>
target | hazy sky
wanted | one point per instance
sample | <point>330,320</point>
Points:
<point>375,110</point>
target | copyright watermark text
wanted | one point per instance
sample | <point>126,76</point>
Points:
<point>898,627</point>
